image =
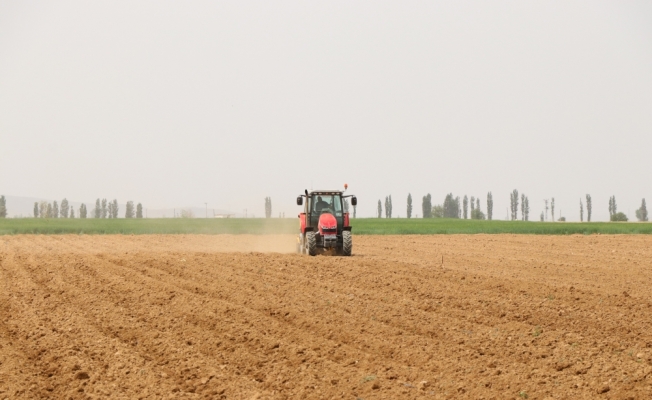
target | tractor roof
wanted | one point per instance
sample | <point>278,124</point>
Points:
<point>325,192</point>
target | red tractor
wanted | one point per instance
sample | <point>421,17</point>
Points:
<point>325,223</point>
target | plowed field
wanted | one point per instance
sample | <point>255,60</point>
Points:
<point>480,316</point>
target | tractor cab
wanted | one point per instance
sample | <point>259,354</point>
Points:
<point>324,222</point>
<point>320,203</point>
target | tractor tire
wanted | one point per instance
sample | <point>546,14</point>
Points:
<point>347,243</point>
<point>311,244</point>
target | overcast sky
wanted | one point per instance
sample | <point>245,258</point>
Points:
<point>179,103</point>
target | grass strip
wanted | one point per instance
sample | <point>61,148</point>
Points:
<point>365,226</point>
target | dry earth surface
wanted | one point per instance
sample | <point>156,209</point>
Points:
<point>502,316</point>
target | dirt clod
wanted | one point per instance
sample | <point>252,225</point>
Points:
<point>82,375</point>
<point>603,389</point>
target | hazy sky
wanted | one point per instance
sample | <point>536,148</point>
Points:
<point>179,103</point>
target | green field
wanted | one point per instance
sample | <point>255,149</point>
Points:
<point>367,226</point>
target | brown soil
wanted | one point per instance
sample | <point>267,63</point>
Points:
<point>201,316</point>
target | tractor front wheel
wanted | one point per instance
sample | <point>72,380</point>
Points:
<point>311,244</point>
<point>347,243</point>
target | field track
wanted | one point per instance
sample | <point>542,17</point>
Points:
<point>220,316</point>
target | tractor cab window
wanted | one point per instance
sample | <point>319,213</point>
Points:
<point>326,203</point>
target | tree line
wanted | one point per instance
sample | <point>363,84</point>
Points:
<point>616,216</point>
<point>103,209</point>
<point>388,207</point>
<point>453,207</point>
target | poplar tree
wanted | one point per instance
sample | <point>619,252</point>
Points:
<point>3,207</point>
<point>36,209</point>
<point>49,212</point>
<point>552,208</point>
<point>97,212</point>
<point>641,213</point>
<point>511,206</point>
<point>423,207</point>
<point>129,209</point>
<point>83,212</point>
<point>581,211</point>
<point>55,209</point>
<point>589,207</point>
<point>546,208</point>
<point>390,206</point>
<point>139,211</point>
<point>527,208</point>
<point>105,208</point>
<point>522,207</point>
<point>451,206</point>
<point>476,213</point>
<point>465,205</point>
<point>613,209</point>
<point>65,208</point>
<point>72,212</point>
<point>472,205</point>
<point>43,209</point>
<point>426,205</point>
<point>409,205</point>
<point>380,209</point>
<point>514,204</point>
<point>490,206</point>
<point>268,207</point>
<point>114,207</point>
<point>386,207</point>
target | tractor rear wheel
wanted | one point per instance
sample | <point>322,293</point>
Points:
<point>347,243</point>
<point>311,244</point>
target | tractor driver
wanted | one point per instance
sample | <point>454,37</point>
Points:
<point>321,204</point>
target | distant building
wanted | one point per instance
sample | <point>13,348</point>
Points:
<point>223,215</point>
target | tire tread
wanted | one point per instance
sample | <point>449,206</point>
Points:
<point>347,243</point>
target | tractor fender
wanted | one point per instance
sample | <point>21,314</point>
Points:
<point>346,228</point>
<point>304,228</point>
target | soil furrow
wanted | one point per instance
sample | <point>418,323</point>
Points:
<point>464,316</point>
